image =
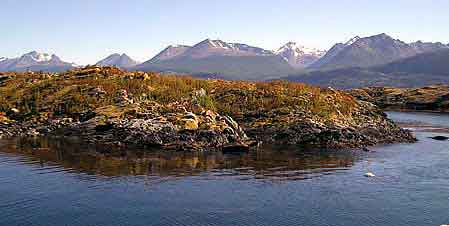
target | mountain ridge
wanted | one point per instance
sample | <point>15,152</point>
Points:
<point>214,58</point>
<point>118,60</point>
<point>371,51</point>
<point>427,68</point>
<point>35,61</point>
<point>235,61</point>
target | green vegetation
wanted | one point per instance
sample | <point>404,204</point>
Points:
<point>99,90</point>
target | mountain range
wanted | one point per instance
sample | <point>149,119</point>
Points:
<point>34,61</point>
<point>219,59</point>
<point>374,50</point>
<point>424,69</point>
<point>374,60</point>
<point>209,58</point>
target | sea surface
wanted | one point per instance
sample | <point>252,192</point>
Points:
<point>61,183</point>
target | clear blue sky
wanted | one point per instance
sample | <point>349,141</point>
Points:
<point>84,31</point>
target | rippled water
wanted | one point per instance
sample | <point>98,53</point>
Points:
<point>60,182</point>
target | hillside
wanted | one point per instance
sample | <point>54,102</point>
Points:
<point>417,71</point>
<point>349,78</point>
<point>226,67</point>
<point>434,63</point>
<point>107,105</point>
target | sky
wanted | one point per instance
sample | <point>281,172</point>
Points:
<point>85,31</point>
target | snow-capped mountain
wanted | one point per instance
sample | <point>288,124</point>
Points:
<point>219,59</point>
<point>35,61</point>
<point>299,56</point>
<point>210,47</point>
<point>122,61</point>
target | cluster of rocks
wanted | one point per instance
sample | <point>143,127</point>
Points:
<point>372,130</point>
<point>188,131</point>
<point>32,128</point>
<point>176,131</point>
<point>316,135</point>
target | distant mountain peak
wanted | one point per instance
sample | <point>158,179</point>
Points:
<point>209,47</point>
<point>297,55</point>
<point>382,35</point>
<point>35,61</point>
<point>298,49</point>
<point>38,57</point>
<point>207,41</point>
<point>217,43</point>
<point>118,60</point>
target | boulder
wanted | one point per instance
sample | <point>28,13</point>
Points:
<point>98,91</point>
<point>121,98</point>
<point>440,138</point>
<point>188,124</point>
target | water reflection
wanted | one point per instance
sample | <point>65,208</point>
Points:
<point>273,163</point>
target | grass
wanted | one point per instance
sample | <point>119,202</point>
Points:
<point>71,92</point>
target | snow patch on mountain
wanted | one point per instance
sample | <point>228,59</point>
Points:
<point>39,57</point>
<point>299,56</point>
<point>352,41</point>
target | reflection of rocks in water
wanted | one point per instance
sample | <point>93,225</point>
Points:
<point>267,163</point>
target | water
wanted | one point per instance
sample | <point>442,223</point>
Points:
<point>54,182</point>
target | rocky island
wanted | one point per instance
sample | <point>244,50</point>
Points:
<point>109,106</point>
<point>430,98</point>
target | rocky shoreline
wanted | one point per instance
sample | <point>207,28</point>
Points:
<point>430,98</point>
<point>158,133</point>
<point>373,129</point>
<point>224,115</point>
<point>188,132</point>
<point>210,131</point>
